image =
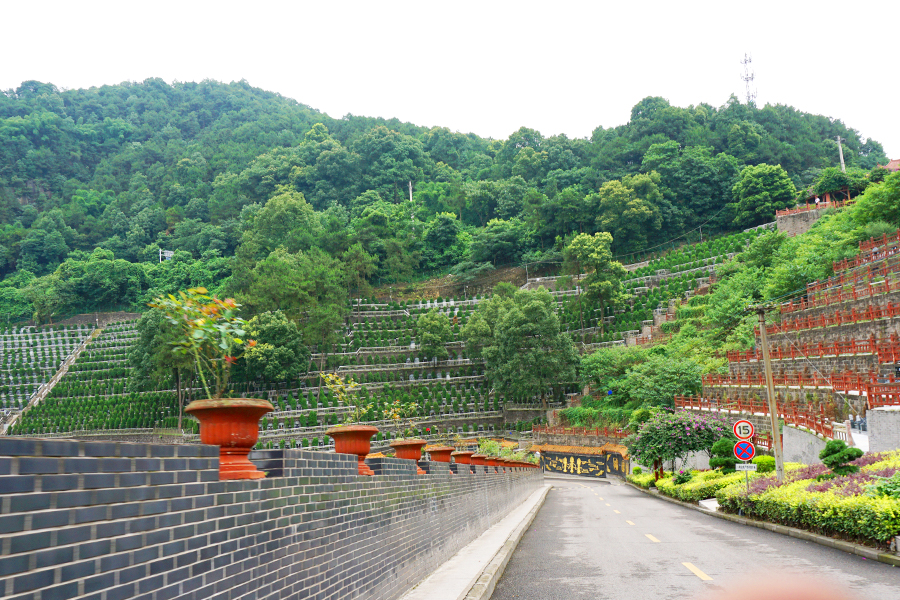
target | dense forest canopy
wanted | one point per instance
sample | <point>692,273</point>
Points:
<point>287,208</point>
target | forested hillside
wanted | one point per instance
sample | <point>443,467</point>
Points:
<point>287,208</point>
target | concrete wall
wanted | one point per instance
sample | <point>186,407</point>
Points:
<point>797,224</point>
<point>801,446</point>
<point>108,521</point>
<point>521,413</point>
<point>884,428</point>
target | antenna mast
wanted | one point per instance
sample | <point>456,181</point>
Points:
<point>747,77</point>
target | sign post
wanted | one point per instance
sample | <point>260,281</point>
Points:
<point>744,451</point>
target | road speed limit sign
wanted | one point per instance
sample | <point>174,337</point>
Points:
<point>743,429</point>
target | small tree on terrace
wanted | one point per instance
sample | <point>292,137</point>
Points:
<point>520,340</point>
<point>154,356</point>
<point>591,254</point>
<point>433,332</point>
<point>673,436</point>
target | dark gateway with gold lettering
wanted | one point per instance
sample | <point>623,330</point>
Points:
<point>586,465</point>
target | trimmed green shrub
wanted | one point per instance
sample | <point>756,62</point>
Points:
<point>837,454</point>
<point>722,455</point>
<point>764,464</point>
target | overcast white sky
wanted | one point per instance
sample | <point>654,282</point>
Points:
<point>483,67</point>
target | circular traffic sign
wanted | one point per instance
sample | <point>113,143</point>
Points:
<point>744,450</point>
<point>743,429</point>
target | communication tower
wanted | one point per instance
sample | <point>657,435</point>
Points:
<point>747,77</point>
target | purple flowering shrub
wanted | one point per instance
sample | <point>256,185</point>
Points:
<point>851,485</point>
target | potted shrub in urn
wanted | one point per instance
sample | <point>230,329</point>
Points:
<point>351,437</point>
<point>402,416</point>
<point>212,334</point>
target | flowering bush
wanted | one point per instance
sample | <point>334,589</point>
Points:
<point>673,435</point>
<point>212,334</point>
<point>838,506</point>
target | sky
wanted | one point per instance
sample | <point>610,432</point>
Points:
<point>486,67</point>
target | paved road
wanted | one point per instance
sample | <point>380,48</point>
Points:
<point>603,539</point>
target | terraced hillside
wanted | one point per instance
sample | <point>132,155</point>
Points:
<point>378,349</point>
<point>29,358</point>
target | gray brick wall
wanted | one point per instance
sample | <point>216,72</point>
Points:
<point>884,429</point>
<point>107,521</point>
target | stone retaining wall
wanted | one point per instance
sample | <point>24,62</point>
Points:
<point>109,521</point>
<point>858,363</point>
<point>798,223</point>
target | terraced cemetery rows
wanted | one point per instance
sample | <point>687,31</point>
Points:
<point>30,356</point>
<point>378,350</point>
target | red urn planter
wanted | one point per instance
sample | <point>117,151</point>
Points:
<point>479,460</point>
<point>409,450</point>
<point>354,439</point>
<point>232,424</point>
<point>462,457</point>
<point>441,453</point>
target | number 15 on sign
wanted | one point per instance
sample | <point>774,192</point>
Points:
<point>743,429</point>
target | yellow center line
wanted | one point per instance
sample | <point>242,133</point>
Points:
<point>651,538</point>
<point>697,572</point>
<point>629,522</point>
<point>617,512</point>
<point>599,498</point>
<point>607,503</point>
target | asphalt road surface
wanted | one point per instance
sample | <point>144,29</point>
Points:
<point>604,539</point>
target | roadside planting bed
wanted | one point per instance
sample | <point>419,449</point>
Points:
<point>861,507</point>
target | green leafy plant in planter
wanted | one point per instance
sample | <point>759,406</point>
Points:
<point>345,391</point>
<point>351,437</point>
<point>211,333</point>
<point>401,415</point>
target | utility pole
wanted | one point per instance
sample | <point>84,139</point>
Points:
<point>770,392</point>
<point>841,152</point>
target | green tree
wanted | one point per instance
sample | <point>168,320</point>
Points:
<point>760,191</point>
<point>880,202</point>
<point>836,455</point>
<point>591,254</point>
<point>629,210</point>
<point>153,356</point>
<point>279,354</point>
<point>524,351</point>
<point>433,332</point>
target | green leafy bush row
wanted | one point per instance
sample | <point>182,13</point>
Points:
<point>838,507</point>
<point>702,485</point>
